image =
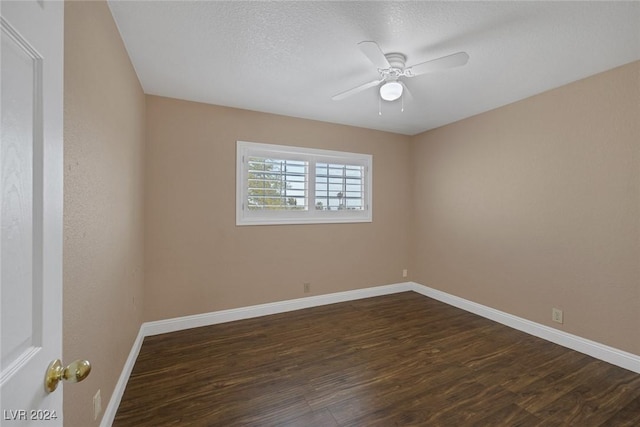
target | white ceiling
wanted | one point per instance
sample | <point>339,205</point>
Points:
<point>290,58</point>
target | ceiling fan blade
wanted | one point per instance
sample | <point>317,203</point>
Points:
<point>347,93</point>
<point>406,93</point>
<point>450,61</point>
<point>375,55</point>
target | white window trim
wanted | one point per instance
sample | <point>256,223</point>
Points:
<point>311,215</point>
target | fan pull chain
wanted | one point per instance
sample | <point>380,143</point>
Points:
<point>402,103</point>
<point>379,106</point>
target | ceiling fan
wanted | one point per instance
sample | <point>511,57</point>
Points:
<point>391,68</point>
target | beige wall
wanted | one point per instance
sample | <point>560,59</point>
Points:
<point>197,260</point>
<point>536,205</point>
<point>104,132</point>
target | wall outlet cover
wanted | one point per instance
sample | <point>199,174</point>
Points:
<point>556,315</point>
<point>97,405</point>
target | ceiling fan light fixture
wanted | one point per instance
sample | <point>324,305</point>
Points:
<point>390,91</point>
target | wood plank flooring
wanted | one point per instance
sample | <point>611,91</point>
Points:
<point>396,360</point>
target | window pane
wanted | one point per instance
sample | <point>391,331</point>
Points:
<point>277,184</point>
<point>339,187</point>
<point>273,185</point>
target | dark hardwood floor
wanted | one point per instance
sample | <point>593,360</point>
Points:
<point>396,360</point>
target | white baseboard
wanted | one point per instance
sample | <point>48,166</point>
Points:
<point>223,316</point>
<point>118,391</point>
<point>599,351</point>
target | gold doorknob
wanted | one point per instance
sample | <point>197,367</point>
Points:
<point>74,373</point>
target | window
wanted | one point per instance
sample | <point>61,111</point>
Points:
<point>278,184</point>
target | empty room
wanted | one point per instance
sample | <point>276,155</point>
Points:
<point>313,213</point>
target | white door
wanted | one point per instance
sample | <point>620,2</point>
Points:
<point>31,214</point>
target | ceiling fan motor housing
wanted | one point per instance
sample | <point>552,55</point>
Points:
<point>396,60</point>
<point>396,69</point>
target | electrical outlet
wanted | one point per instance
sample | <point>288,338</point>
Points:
<point>97,405</point>
<point>556,315</point>
<point>404,273</point>
<point>306,287</point>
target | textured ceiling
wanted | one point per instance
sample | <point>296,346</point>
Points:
<point>291,57</point>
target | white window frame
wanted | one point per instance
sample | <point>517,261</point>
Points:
<point>244,216</point>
